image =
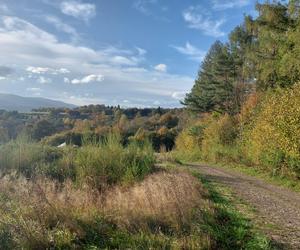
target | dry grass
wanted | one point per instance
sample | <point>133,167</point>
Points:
<point>44,214</point>
<point>169,198</point>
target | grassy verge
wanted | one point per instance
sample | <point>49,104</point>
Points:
<point>256,171</point>
<point>263,174</point>
<point>228,222</point>
<point>231,228</point>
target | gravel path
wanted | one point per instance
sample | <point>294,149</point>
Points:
<point>273,205</point>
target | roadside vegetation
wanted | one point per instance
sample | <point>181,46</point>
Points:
<point>104,195</point>
<point>248,95</point>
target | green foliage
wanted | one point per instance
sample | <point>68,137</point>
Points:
<point>261,53</point>
<point>108,162</point>
<point>264,134</point>
<point>98,162</point>
<point>26,157</point>
<point>41,129</point>
<point>214,87</point>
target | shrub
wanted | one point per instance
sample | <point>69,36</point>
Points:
<point>212,138</point>
<point>101,163</point>
<point>219,137</point>
<point>274,139</point>
<point>26,157</point>
<point>189,141</point>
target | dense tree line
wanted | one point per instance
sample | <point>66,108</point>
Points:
<point>56,126</point>
<point>248,94</point>
<point>261,53</point>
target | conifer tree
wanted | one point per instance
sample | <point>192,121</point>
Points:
<point>213,88</point>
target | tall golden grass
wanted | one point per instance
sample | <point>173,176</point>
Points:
<point>43,213</point>
<point>166,197</point>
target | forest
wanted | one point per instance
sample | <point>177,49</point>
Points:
<point>103,177</point>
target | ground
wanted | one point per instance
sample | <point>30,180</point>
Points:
<point>276,209</point>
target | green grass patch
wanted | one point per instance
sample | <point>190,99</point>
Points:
<point>228,227</point>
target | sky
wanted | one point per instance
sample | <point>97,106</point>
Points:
<point>133,53</point>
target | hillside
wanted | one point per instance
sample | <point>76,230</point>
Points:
<point>24,104</point>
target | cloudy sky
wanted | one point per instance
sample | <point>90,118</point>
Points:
<point>128,52</point>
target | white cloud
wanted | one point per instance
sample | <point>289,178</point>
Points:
<point>229,4</point>
<point>61,26</point>
<point>44,70</point>
<point>2,78</point>
<point>152,8</point>
<point>135,70</point>
<point>63,71</point>
<point>77,9</point>
<point>121,60</point>
<point>178,95</point>
<point>35,91</point>
<point>37,70</point>
<point>199,19</point>
<point>88,79</point>
<point>44,80</point>
<point>161,67</point>
<point>191,51</point>
<point>25,45</point>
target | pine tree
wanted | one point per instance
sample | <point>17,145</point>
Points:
<point>213,88</point>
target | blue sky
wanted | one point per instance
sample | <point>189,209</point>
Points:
<point>127,52</point>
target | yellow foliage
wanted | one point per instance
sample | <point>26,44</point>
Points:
<point>185,141</point>
<point>220,132</point>
<point>163,131</point>
<point>274,139</point>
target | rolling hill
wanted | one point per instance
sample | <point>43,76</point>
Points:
<point>25,104</point>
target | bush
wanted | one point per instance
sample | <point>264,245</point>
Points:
<point>273,140</point>
<point>26,157</point>
<point>212,138</point>
<point>98,162</point>
<point>219,138</point>
<point>101,163</point>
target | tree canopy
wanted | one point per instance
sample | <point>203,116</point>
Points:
<point>261,53</point>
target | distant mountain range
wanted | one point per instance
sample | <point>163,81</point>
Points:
<point>11,102</point>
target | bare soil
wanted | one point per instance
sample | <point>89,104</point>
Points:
<point>275,207</point>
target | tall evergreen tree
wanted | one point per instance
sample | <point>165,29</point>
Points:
<point>213,88</point>
<point>261,53</point>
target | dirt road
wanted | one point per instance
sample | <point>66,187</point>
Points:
<point>275,206</point>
